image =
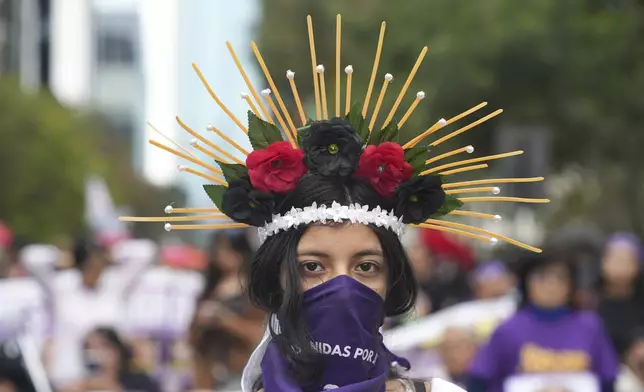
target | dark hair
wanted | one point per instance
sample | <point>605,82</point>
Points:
<point>114,340</point>
<point>533,262</point>
<point>276,262</point>
<point>238,241</point>
<point>84,248</point>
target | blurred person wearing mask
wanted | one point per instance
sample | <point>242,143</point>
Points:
<point>631,379</point>
<point>620,289</point>
<point>108,361</point>
<point>547,334</point>
<point>226,327</point>
<point>457,349</point>
<point>491,280</point>
<point>93,293</point>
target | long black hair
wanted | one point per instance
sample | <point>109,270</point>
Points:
<point>238,241</point>
<point>275,281</point>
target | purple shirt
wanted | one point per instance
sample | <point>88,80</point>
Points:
<point>528,343</point>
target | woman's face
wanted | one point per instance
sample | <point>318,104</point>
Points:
<point>549,287</point>
<point>102,353</point>
<point>325,252</point>
<point>620,263</point>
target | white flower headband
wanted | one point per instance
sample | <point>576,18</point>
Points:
<point>354,213</point>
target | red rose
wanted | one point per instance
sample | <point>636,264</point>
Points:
<point>276,169</point>
<point>384,167</point>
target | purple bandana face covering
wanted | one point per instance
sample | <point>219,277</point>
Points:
<point>343,316</point>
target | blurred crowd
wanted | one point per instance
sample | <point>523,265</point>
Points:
<point>576,309</point>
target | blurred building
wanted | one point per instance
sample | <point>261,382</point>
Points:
<point>130,61</point>
<point>24,41</point>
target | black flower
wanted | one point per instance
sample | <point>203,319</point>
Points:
<point>419,198</point>
<point>332,148</point>
<point>244,204</point>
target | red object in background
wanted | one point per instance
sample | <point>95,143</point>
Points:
<point>442,245</point>
<point>6,236</point>
<point>183,256</point>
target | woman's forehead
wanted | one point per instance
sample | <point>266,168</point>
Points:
<point>346,237</point>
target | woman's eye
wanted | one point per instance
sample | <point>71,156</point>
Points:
<point>312,266</point>
<point>367,267</point>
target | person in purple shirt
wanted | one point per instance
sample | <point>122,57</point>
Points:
<point>547,334</point>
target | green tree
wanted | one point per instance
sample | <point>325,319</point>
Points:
<point>575,67</point>
<point>46,153</point>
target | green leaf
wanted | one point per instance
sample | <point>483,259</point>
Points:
<point>233,171</point>
<point>215,193</point>
<point>387,134</point>
<point>357,122</point>
<point>309,122</point>
<point>450,204</point>
<point>416,157</point>
<point>262,133</point>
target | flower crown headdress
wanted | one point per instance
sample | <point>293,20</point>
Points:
<point>347,145</point>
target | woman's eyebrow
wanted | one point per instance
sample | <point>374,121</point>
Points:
<point>314,253</point>
<point>369,252</point>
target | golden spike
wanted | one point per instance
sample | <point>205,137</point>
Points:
<point>466,128</point>
<point>185,156</point>
<point>215,226</point>
<point>280,102</point>
<point>455,231</point>
<point>347,105</point>
<point>179,146</point>
<point>410,78</point>
<point>496,218</point>
<point>473,160</point>
<point>438,125</point>
<point>419,97</point>
<point>290,75</point>
<point>267,94</point>
<point>338,53</point>
<point>466,113</point>
<point>325,113</point>
<point>314,64</point>
<point>493,189</point>
<point>195,143</point>
<point>482,231</point>
<point>374,71</point>
<point>202,175</point>
<point>251,105</point>
<point>172,210</point>
<point>248,83</point>
<point>381,96</point>
<point>173,218</point>
<point>219,133</point>
<point>463,169</point>
<point>492,181</point>
<point>208,142</point>
<point>217,100</point>
<point>467,149</point>
<point>503,198</point>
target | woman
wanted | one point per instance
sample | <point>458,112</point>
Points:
<point>546,335</point>
<point>330,200</point>
<point>109,364</point>
<point>621,289</point>
<point>225,328</point>
<point>328,288</point>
